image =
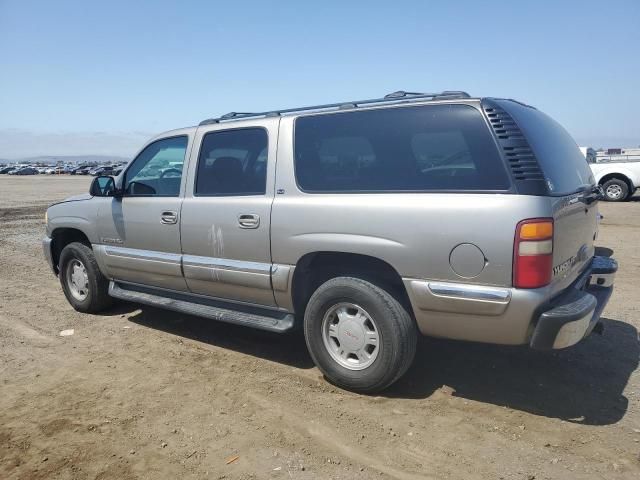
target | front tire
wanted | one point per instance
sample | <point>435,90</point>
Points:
<point>358,334</point>
<point>84,285</point>
<point>615,190</point>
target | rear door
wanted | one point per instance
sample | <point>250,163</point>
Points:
<point>569,181</point>
<point>226,214</point>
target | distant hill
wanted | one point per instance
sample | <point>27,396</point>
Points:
<point>53,159</point>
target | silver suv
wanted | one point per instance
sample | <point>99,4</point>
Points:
<point>364,223</point>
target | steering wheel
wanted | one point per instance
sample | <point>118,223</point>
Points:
<point>179,172</point>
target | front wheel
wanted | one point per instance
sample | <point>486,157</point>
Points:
<point>82,281</point>
<point>359,335</point>
<point>615,190</point>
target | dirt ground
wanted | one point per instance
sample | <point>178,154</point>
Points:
<point>143,393</point>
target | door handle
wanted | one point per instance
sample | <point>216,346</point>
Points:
<point>169,217</point>
<point>249,220</point>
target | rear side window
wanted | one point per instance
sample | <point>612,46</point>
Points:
<point>563,164</point>
<point>426,148</point>
<point>233,162</point>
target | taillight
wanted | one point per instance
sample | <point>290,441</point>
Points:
<point>533,253</point>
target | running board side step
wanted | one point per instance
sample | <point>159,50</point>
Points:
<point>275,321</point>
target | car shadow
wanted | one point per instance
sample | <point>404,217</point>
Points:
<point>289,349</point>
<point>583,384</point>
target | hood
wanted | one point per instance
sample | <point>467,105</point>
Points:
<point>74,198</point>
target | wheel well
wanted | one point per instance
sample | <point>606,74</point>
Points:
<point>314,269</point>
<point>61,237</point>
<point>619,176</point>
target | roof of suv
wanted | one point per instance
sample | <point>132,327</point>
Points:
<point>398,97</point>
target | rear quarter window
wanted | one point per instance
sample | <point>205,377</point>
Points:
<point>420,148</point>
<point>563,164</point>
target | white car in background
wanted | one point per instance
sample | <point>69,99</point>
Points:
<point>617,170</point>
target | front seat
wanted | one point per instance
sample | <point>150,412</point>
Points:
<point>224,176</point>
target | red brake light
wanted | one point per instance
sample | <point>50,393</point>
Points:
<point>533,253</point>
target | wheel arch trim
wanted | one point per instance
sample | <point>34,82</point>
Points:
<point>75,232</point>
<point>306,260</point>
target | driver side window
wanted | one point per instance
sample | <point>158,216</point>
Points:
<point>157,170</point>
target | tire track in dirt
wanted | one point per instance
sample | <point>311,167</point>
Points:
<point>33,337</point>
<point>330,439</point>
<point>22,213</point>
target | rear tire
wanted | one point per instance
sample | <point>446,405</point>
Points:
<point>84,285</point>
<point>615,190</point>
<point>359,335</point>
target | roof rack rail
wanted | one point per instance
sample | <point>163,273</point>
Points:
<point>446,93</point>
<point>230,115</point>
<point>401,94</point>
<point>395,97</point>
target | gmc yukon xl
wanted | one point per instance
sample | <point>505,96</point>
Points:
<point>365,223</point>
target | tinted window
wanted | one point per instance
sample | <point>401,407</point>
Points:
<point>435,147</point>
<point>233,162</point>
<point>157,170</point>
<point>560,158</point>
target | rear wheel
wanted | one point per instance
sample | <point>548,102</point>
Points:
<point>615,190</point>
<point>82,281</point>
<point>358,334</point>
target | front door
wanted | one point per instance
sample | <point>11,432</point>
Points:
<point>226,212</point>
<point>139,233</point>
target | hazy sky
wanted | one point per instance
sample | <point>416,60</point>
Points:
<point>89,77</point>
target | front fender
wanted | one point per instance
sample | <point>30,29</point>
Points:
<point>77,215</point>
<point>76,223</point>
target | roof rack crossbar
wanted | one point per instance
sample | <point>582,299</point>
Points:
<point>395,97</point>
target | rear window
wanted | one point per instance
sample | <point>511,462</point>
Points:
<point>560,158</point>
<point>425,148</point>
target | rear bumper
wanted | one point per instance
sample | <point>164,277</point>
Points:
<point>513,316</point>
<point>574,314</point>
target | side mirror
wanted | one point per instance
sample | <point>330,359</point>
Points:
<point>103,186</point>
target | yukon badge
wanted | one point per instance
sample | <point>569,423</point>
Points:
<point>112,241</point>
<point>568,264</point>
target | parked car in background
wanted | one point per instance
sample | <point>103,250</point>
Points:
<point>441,214</point>
<point>617,170</point>
<point>6,170</point>
<point>24,171</point>
<point>102,170</point>
<point>84,170</point>
<point>76,170</point>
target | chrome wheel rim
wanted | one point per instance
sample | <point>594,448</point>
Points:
<point>77,279</point>
<point>614,191</point>
<point>351,336</point>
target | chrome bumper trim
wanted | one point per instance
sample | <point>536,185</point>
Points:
<point>457,297</point>
<point>470,292</point>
